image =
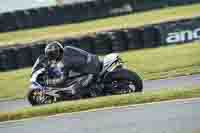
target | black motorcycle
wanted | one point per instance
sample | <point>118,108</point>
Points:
<point>114,78</point>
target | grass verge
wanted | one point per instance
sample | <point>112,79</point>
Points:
<point>132,20</point>
<point>109,101</point>
<point>197,131</point>
<point>151,64</point>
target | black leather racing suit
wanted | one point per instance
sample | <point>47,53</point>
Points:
<point>75,61</point>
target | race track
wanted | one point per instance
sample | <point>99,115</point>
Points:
<point>184,81</point>
<point>12,5</point>
<point>165,117</point>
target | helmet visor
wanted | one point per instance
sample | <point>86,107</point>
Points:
<point>52,54</point>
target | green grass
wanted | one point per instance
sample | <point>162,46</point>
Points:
<point>14,84</point>
<point>165,62</point>
<point>155,63</point>
<point>197,131</point>
<point>101,102</point>
<point>132,20</point>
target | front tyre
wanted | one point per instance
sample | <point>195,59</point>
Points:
<point>36,97</point>
<point>126,80</point>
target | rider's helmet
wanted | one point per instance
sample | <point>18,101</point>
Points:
<point>54,51</point>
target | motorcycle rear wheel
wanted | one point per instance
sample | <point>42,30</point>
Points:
<point>126,80</point>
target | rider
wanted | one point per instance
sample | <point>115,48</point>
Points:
<point>60,63</point>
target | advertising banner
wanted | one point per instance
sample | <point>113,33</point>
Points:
<point>181,31</point>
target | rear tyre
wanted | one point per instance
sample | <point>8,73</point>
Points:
<point>124,79</point>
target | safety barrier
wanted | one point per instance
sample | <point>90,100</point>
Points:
<point>149,36</point>
<point>77,12</point>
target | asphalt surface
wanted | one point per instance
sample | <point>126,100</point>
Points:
<point>166,117</point>
<point>184,81</point>
<point>12,5</point>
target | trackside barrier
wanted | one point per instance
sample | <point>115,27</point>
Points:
<point>36,50</point>
<point>8,22</point>
<point>181,32</point>
<point>82,11</point>
<point>119,41</point>
<point>34,17</point>
<point>23,57</point>
<point>3,61</point>
<point>23,19</point>
<point>134,36</point>
<point>87,43</point>
<point>102,43</point>
<point>150,36</point>
<point>10,58</point>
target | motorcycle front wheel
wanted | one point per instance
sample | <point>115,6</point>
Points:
<point>36,97</point>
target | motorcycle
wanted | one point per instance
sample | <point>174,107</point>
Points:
<point>114,78</point>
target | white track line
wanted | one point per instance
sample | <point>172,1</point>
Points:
<point>187,100</point>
